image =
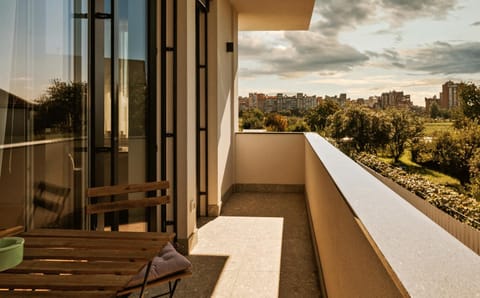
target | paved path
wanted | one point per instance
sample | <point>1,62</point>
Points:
<point>259,247</point>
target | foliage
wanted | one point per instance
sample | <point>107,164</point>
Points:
<point>381,130</point>
<point>437,112</point>
<point>276,122</point>
<point>252,119</point>
<point>452,152</point>
<point>317,118</point>
<point>470,97</point>
<point>458,205</point>
<point>434,111</point>
<point>474,170</point>
<point>298,125</point>
<point>60,109</point>
<point>404,129</point>
<point>352,123</point>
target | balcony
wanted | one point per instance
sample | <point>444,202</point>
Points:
<point>368,241</point>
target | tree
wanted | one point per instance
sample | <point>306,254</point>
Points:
<point>60,109</point>
<point>405,127</point>
<point>435,111</point>
<point>381,131</point>
<point>317,117</point>
<point>470,99</point>
<point>252,119</point>
<point>454,151</point>
<point>298,126</point>
<point>276,122</point>
<point>354,123</point>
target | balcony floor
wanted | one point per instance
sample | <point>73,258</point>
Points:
<point>260,247</point>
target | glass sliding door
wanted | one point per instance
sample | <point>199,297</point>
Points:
<point>119,98</point>
<point>43,118</point>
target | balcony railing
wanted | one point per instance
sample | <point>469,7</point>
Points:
<point>370,242</point>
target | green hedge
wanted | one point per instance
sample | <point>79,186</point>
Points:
<point>459,206</point>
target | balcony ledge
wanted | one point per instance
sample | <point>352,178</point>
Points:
<point>427,260</point>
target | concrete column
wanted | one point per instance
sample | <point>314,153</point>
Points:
<point>186,124</point>
<point>222,92</point>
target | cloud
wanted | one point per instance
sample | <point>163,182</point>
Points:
<point>305,52</point>
<point>251,45</point>
<point>437,58</point>
<point>338,15</point>
<point>416,8</point>
<point>476,23</point>
<point>320,50</point>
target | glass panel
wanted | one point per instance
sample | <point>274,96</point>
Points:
<point>43,83</point>
<point>132,97</point>
<point>127,99</point>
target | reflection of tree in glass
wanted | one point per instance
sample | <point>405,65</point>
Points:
<point>60,109</point>
<point>137,89</point>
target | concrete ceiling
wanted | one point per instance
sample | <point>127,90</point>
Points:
<point>264,15</point>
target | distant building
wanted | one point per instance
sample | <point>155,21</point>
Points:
<point>341,99</point>
<point>449,95</point>
<point>243,104</point>
<point>394,99</point>
<point>373,101</point>
<point>430,101</point>
<point>278,103</point>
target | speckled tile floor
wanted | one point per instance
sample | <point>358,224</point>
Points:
<point>259,247</point>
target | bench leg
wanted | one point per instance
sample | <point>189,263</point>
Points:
<point>145,280</point>
<point>171,289</point>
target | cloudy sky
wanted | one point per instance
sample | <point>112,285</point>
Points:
<point>366,47</point>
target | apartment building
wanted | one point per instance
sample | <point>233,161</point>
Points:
<point>449,96</point>
<point>395,99</point>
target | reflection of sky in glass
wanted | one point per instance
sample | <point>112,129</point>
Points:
<point>37,42</point>
<point>38,47</point>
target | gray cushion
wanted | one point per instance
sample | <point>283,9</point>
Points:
<point>169,261</point>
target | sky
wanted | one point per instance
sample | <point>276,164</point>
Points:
<point>367,47</point>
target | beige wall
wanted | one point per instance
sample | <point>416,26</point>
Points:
<point>344,251</point>
<point>222,90</point>
<point>270,158</point>
<point>186,165</point>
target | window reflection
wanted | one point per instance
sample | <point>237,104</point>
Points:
<point>43,81</point>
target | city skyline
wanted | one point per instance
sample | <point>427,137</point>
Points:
<point>367,48</point>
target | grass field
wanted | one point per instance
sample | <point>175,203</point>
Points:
<point>432,127</point>
<point>408,165</point>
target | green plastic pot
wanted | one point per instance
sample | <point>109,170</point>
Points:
<point>11,252</point>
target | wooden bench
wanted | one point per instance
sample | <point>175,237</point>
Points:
<point>104,207</point>
<point>73,263</point>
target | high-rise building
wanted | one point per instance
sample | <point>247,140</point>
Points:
<point>449,95</point>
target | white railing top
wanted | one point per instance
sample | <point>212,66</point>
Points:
<point>428,260</point>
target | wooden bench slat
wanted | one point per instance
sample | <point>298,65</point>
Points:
<point>57,242</point>
<point>88,254</point>
<point>99,234</point>
<point>57,294</point>
<point>63,282</point>
<point>103,191</point>
<point>126,204</point>
<point>11,231</point>
<point>71,267</point>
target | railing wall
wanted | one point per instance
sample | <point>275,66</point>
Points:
<point>371,242</point>
<point>463,232</point>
